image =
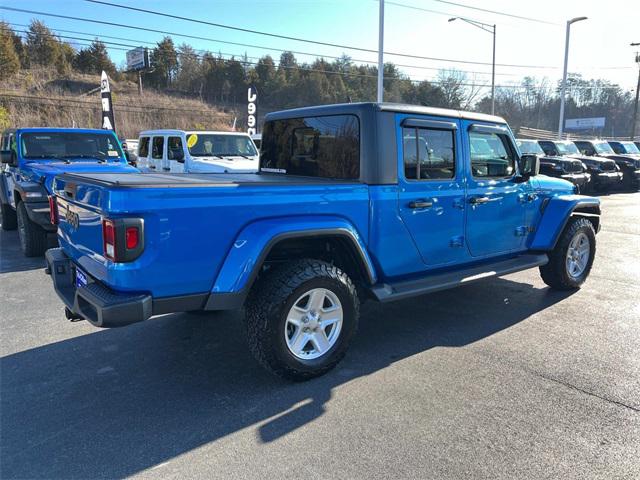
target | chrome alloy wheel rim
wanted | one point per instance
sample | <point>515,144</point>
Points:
<point>578,255</point>
<point>313,324</point>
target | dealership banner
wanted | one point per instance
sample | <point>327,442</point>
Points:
<point>108,121</point>
<point>252,110</point>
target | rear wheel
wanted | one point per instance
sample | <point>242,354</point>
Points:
<point>8,217</point>
<point>33,238</point>
<point>571,260</point>
<point>301,317</point>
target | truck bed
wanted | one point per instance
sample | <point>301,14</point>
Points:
<point>185,180</point>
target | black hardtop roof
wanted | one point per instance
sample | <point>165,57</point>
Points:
<point>362,107</point>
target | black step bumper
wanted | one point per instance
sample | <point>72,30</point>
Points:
<point>94,302</point>
<point>106,308</point>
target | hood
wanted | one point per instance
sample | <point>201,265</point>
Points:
<point>57,168</point>
<point>554,186</point>
<point>587,158</point>
<point>224,165</point>
<point>47,170</point>
<point>622,156</point>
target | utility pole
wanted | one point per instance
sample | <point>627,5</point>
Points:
<point>140,82</point>
<point>380,52</point>
<point>634,123</point>
<point>564,75</point>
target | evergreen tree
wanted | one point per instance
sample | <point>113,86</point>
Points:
<point>9,58</point>
<point>43,47</point>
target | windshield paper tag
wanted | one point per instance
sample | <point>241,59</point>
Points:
<point>112,153</point>
<point>192,140</point>
<point>273,170</point>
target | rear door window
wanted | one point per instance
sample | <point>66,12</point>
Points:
<point>428,153</point>
<point>157,147</point>
<point>174,149</point>
<point>143,147</point>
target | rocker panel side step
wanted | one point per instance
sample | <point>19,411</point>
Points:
<point>386,292</point>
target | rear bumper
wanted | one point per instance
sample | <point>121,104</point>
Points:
<point>107,308</point>
<point>94,302</point>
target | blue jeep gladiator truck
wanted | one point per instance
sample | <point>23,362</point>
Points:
<point>352,202</point>
<point>31,158</point>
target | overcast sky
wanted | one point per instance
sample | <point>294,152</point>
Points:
<point>599,46</point>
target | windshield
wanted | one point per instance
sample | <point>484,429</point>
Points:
<point>208,145</point>
<point>70,146</point>
<point>530,147</point>
<point>567,148</point>
<point>602,147</point>
<point>630,147</point>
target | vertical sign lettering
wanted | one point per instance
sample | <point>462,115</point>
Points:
<point>252,110</point>
<point>108,121</point>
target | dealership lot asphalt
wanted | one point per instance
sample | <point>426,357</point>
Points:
<point>499,379</point>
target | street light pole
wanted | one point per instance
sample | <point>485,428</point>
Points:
<point>564,75</point>
<point>635,107</point>
<point>491,29</point>
<point>380,52</point>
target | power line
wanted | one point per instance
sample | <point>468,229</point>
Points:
<point>336,45</point>
<point>519,17</point>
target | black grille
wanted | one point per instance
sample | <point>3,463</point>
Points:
<point>608,166</point>
<point>575,166</point>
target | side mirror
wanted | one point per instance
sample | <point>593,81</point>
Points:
<point>5,155</point>
<point>529,165</point>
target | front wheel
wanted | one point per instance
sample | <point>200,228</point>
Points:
<point>33,238</point>
<point>300,318</point>
<point>571,260</point>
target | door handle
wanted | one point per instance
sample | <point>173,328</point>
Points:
<point>478,200</point>
<point>421,204</point>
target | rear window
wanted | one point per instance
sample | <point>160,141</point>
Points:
<point>323,146</point>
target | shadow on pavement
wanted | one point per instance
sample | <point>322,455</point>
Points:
<point>11,257</point>
<point>116,402</point>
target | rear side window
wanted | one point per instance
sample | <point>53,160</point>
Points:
<point>157,147</point>
<point>143,147</point>
<point>492,155</point>
<point>428,154</point>
<point>323,146</point>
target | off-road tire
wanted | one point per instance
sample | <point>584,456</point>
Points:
<point>269,302</point>
<point>33,238</point>
<point>9,218</point>
<point>554,273</point>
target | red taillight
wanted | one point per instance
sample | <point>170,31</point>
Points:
<point>109,239</point>
<point>132,237</point>
<point>53,210</point>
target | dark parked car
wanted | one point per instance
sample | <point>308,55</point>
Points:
<point>629,165</point>
<point>625,148</point>
<point>566,168</point>
<point>604,172</point>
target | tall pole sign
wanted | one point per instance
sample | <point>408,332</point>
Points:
<point>108,121</point>
<point>252,110</point>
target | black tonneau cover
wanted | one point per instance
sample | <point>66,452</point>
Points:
<point>185,180</point>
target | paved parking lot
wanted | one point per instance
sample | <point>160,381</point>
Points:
<point>499,379</point>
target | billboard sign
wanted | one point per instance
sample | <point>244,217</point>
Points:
<point>138,59</point>
<point>584,123</point>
